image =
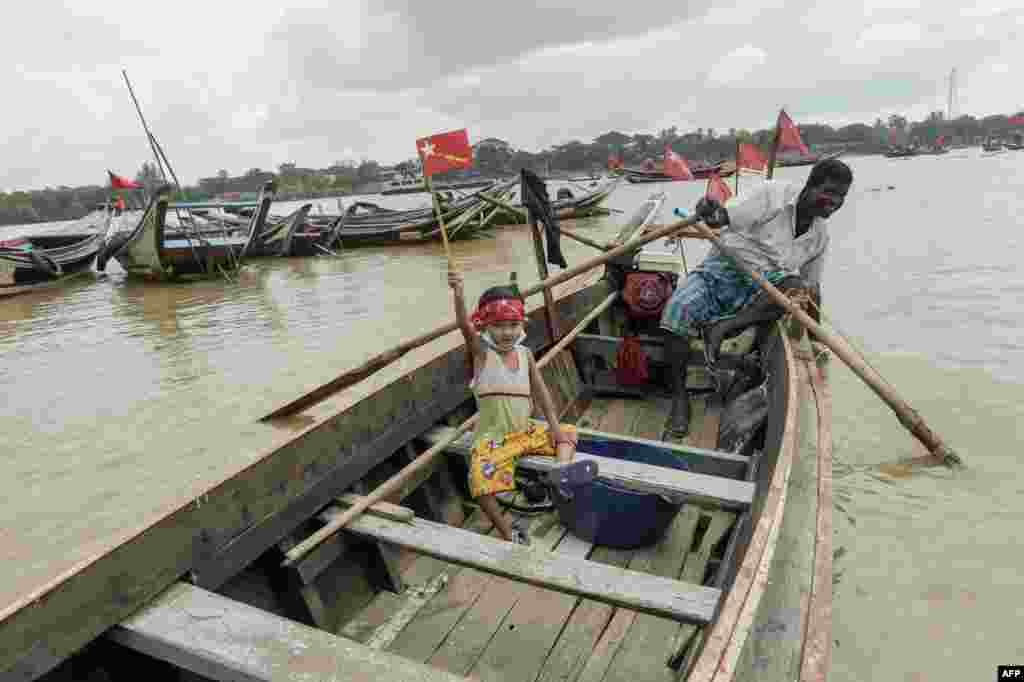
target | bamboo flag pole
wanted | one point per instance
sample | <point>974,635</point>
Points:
<point>910,419</point>
<point>384,359</point>
<point>440,220</point>
<point>398,480</point>
<point>737,166</point>
<point>774,149</point>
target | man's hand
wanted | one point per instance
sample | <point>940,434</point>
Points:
<point>711,212</point>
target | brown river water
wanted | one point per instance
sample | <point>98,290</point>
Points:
<point>122,399</point>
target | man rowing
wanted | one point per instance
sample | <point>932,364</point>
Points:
<point>780,231</point>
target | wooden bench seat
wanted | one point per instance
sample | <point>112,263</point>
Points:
<point>224,639</point>
<point>646,593</point>
<point>701,489</point>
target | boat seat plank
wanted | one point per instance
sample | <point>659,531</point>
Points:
<point>704,489</point>
<point>656,410</point>
<point>647,593</point>
<point>219,638</point>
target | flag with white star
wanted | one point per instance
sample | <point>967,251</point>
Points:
<point>445,151</point>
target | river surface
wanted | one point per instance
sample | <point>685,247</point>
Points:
<point>122,399</point>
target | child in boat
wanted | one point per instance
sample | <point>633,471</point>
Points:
<point>506,381</point>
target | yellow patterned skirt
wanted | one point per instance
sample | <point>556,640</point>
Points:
<point>492,464</point>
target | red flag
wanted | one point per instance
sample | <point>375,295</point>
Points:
<point>718,189</point>
<point>789,135</point>
<point>118,182</point>
<point>445,151</point>
<point>675,165</point>
<point>751,157</point>
<point>1017,120</point>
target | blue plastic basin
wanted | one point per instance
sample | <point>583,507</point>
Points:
<point>606,513</point>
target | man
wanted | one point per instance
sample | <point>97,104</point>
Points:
<point>779,230</point>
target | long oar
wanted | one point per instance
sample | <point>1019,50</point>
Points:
<point>384,359</point>
<point>906,414</point>
<point>395,483</point>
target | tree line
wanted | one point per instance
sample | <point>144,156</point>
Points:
<point>575,156</point>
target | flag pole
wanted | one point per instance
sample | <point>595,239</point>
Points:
<point>440,219</point>
<point>775,148</point>
<point>737,166</point>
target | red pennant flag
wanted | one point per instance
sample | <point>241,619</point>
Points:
<point>675,165</point>
<point>718,189</point>
<point>789,135</point>
<point>118,182</point>
<point>751,157</point>
<point>445,151</point>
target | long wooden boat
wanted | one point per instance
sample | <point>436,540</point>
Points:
<point>699,172</point>
<point>462,218</point>
<point>417,185</point>
<point>45,261</point>
<point>684,560</point>
<point>151,252</point>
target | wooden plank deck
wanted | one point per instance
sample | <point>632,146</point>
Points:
<point>491,628</point>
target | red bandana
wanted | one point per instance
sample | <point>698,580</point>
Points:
<point>500,310</point>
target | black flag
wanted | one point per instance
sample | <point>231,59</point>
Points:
<point>535,197</point>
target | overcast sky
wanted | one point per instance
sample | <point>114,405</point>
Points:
<point>242,85</point>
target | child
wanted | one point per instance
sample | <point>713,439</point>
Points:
<point>505,382</point>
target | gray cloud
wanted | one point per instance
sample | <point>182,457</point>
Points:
<point>365,79</point>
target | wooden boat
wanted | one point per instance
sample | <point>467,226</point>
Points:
<point>416,185</point>
<point>149,252</point>
<point>808,160</point>
<point>463,218</point>
<point>900,152</point>
<point>699,172</point>
<point>45,261</point>
<point>732,581</point>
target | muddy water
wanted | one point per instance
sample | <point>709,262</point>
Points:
<point>121,399</point>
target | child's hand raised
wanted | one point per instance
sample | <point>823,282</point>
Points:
<point>455,281</point>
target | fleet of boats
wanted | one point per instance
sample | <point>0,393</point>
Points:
<point>192,240</point>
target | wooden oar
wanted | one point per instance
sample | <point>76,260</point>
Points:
<point>910,419</point>
<point>378,362</point>
<point>398,480</point>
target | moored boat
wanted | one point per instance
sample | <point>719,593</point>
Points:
<point>151,252</point>
<point>43,261</point>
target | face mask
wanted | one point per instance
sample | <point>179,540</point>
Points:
<point>489,341</point>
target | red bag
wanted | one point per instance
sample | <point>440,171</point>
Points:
<point>631,362</point>
<point>646,293</point>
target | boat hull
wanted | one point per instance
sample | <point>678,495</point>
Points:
<point>45,261</point>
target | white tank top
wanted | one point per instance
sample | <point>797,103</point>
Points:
<point>497,379</point>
